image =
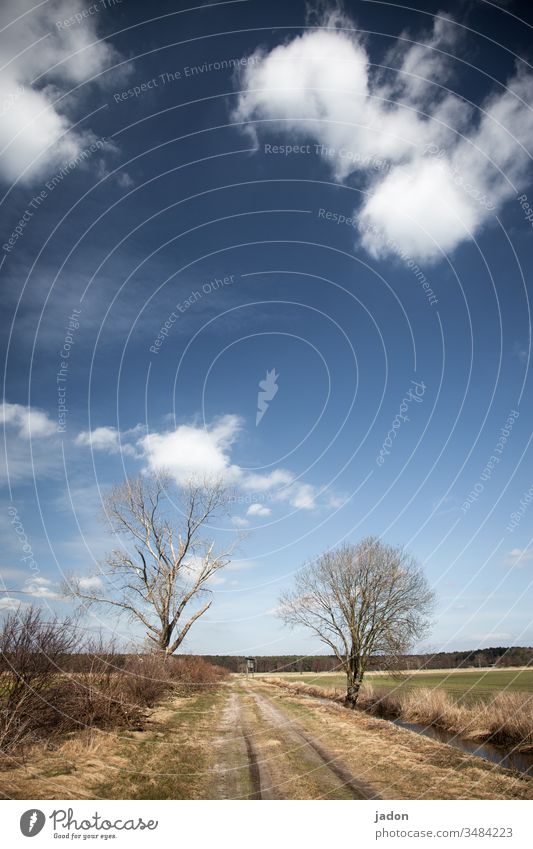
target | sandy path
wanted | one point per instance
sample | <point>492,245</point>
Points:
<point>291,763</point>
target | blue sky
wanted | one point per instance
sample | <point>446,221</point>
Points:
<point>192,198</point>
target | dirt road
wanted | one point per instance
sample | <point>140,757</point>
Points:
<point>285,760</point>
<point>252,740</point>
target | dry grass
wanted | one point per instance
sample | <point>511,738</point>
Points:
<point>502,718</point>
<point>398,763</point>
<point>40,702</point>
<point>169,759</point>
<point>66,770</point>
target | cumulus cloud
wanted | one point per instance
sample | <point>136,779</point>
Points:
<point>106,439</point>
<point>41,588</point>
<point>263,483</point>
<point>194,451</point>
<point>28,422</point>
<point>11,603</point>
<point>92,582</point>
<point>43,60</point>
<point>258,510</point>
<point>239,522</point>
<point>282,485</point>
<point>27,433</point>
<point>303,496</point>
<point>191,450</point>
<point>435,169</point>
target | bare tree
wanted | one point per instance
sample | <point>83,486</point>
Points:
<point>361,600</point>
<point>161,573</point>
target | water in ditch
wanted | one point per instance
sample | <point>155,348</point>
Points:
<point>503,756</point>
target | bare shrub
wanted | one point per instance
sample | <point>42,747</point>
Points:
<point>193,673</point>
<point>146,678</point>
<point>43,698</point>
<point>31,652</point>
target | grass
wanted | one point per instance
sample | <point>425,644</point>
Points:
<point>173,762</point>
<point>191,748</point>
<point>500,717</point>
<point>170,759</point>
<point>399,764</point>
<point>462,684</point>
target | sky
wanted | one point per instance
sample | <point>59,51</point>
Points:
<point>283,243</point>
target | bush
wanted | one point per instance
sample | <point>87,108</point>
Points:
<point>49,688</point>
<point>31,651</point>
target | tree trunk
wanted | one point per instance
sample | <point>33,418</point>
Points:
<point>352,694</point>
<point>354,678</point>
<point>164,638</point>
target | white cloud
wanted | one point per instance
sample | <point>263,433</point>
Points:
<point>107,439</point>
<point>259,510</point>
<point>430,162</point>
<point>29,422</point>
<point>283,486</point>
<point>28,436</point>
<point>319,85</point>
<point>435,213</point>
<point>239,522</point>
<point>10,603</point>
<point>100,439</point>
<point>303,496</point>
<point>190,451</point>
<point>40,588</point>
<point>264,483</point>
<point>42,61</point>
<point>93,582</point>
<point>517,558</point>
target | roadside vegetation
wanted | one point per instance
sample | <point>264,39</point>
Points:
<point>464,684</point>
<point>53,684</point>
<point>81,719</point>
<point>501,717</point>
<point>395,762</point>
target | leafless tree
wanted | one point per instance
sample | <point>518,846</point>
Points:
<point>361,600</point>
<point>160,576</point>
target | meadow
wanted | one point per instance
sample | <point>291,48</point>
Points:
<point>494,705</point>
<point>463,684</point>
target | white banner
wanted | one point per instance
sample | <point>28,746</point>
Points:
<point>242,824</point>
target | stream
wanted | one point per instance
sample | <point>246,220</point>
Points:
<point>501,755</point>
<point>504,756</point>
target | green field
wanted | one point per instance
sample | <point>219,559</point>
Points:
<point>462,683</point>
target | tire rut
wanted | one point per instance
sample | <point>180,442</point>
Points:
<point>297,737</point>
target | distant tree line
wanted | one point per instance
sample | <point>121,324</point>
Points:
<point>499,656</point>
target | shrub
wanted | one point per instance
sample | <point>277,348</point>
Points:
<point>49,688</point>
<point>31,650</point>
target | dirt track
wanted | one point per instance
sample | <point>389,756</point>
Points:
<point>253,740</point>
<point>301,748</point>
<point>287,761</point>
